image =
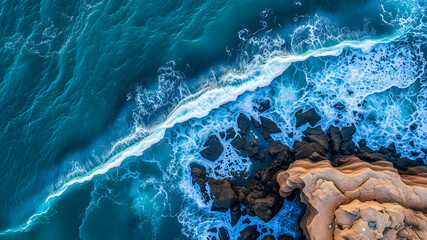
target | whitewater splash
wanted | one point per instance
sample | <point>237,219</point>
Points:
<point>200,104</point>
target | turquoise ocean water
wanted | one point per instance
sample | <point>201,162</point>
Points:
<point>104,104</point>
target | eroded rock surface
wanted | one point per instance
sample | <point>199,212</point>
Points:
<point>373,220</point>
<point>325,188</point>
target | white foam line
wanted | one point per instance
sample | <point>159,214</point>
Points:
<point>201,105</point>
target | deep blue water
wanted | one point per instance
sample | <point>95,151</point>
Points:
<point>105,103</point>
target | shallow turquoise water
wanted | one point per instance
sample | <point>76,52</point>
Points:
<point>105,103</point>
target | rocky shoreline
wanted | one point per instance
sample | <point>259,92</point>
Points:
<point>298,168</point>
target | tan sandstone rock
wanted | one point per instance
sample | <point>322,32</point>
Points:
<point>325,188</point>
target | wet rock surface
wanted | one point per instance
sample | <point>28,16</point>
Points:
<point>213,148</point>
<point>310,116</point>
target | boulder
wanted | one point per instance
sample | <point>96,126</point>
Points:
<point>213,148</point>
<point>347,133</point>
<point>305,149</point>
<point>223,193</point>
<point>310,116</point>
<point>334,136</point>
<point>235,213</point>
<point>362,143</point>
<point>255,122</point>
<point>269,125</point>
<point>279,152</point>
<point>249,233</point>
<point>238,142</point>
<point>243,122</point>
<point>317,135</point>
<point>263,105</point>
<point>230,133</point>
<point>266,208</point>
<point>404,163</point>
<point>223,234</point>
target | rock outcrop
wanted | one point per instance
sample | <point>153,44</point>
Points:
<point>326,189</point>
<point>372,220</point>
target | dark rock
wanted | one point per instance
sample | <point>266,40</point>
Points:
<point>249,233</point>
<point>213,148</point>
<point>255,122</point>
<point>266,208</point>
<point>369,155</point>
<point>250,201</point>
<point>235,213</point>
<point>404,163</point>
<point>424,150</point>
<point>305,149</point>
<point>339,106</point>
<point>347,133</point>
<point>238,142</point>
<point>334,138</point>
<point>223,234</point>
<point>383,150</point>
<point>413,127</point>
<point>268,237</point>
<point>291,135</point>
<point>310,116</point>
<point>261,157</point>
<point>392,148</point>
<point>198,173</point>
<point>252,151</point>
<point>266,135</point>
<point>222,134</point>
<point>398,136</point>
<point>269,125</point>
<point>263,105</point>
<point>241,192</point>
<point>214,230</point>
<point>362,143</point>
<point>279,152</point>
<point>412,143</point>
<point>414,153</point>
<point>347,147</point>
<point>223,192</point>
<point>317,135</point>
<point>243,122</point>
<point>230,133</point>
<point>246,221</point>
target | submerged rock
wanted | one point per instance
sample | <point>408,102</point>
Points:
<point>310,116</point>
<point>263,105</point>
<point>213,148</point>
<point>339,106</point>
